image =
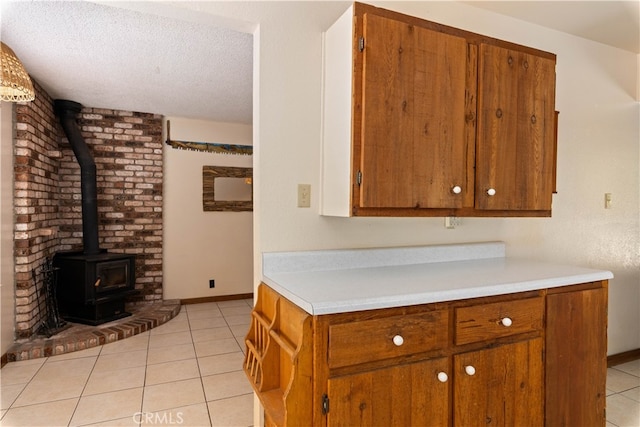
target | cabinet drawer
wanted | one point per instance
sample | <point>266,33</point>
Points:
<point>377,339</point>
<point>495,320</point>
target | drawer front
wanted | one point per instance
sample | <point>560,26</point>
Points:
<point>488,321</point>
<point>378,339</point>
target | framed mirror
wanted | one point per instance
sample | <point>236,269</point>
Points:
<point>227,189</point>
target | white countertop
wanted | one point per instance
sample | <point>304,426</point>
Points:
<point>327,282</point>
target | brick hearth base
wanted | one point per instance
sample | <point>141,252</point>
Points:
<point>80,337</point>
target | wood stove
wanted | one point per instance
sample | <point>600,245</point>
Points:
<point>92,284</point>
<point>92,288</point>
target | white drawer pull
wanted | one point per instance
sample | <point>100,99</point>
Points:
<point>457,189</point>
<point>398,340</point>
<point>506,322</point>
<point>443,377</point>
<point>470,370</point>
<point>491,192</point>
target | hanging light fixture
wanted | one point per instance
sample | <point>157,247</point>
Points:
<point>15,84</point>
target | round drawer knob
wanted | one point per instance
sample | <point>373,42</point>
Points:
<point>470,370</point>
<point>398,340</point>
<point>506,322</point>
<point>443,377</point>
<point>457,189</point>
<point>491,192</point>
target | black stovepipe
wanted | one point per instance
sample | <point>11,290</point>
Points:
<point>67,112</point>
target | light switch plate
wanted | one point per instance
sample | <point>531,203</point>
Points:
<point>304,195</point>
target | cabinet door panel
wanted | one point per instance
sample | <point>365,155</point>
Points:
<point>439,158</point>
<point>506,388</point>
<point>413,149</point>
<point>516,130</point>
<point>576,344</point>
<point>386,109</point>
<point>404,395</point>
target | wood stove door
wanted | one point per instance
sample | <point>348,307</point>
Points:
<point>113,275</point>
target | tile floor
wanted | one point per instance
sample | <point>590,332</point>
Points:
<point>623,395</point>
<point>186,372</point>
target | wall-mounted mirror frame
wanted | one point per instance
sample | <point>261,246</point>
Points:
<point>209,176</point>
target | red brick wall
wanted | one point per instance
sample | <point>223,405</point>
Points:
<point>127,149</point>
<point>35,201</point>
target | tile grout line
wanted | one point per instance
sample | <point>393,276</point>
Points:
<point>622,391</point>
<point>24,388</point>
<point>144,380</point>
<point>84,387</point>
<point>204,392</point>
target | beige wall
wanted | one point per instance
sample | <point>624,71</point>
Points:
<point>199,245</point>
<point>598,150</point>
<point>7,292</point>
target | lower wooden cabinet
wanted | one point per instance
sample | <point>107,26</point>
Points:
<point>501,386</point>
<point>403,395</point>
<point>576,357</point>
<point>528,359</point>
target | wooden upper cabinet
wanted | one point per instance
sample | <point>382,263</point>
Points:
<point>515,155</point>
<point>413,108</point>
<point>422,119</point>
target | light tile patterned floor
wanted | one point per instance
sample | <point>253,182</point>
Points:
<point>186,372</point>
<point>623,395</point>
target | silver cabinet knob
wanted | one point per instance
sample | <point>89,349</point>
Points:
<point>491,192</point>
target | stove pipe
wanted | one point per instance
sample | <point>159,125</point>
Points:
<point>67,111</point>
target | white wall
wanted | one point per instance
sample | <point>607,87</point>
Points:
<point>7,291</point>
<point>598,147</point>
<point>598,150</point>
<point>199,245</point>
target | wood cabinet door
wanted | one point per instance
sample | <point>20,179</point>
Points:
<point>412,133</point>
<point>505,387</point>
<point>576,358</point>
<point>515,149</point>
<point>403,395</point>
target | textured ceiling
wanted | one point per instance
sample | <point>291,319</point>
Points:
<point>170,59</point>
<point>110,57</point>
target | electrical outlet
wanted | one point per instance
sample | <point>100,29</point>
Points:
<point>304,195</point>
<point>212,283</point>
<point>452,222</point>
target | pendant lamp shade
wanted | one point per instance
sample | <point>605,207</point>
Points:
<point>15,84</point>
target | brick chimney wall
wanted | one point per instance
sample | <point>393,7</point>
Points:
<point>35,201</point>
<point>127,149</point>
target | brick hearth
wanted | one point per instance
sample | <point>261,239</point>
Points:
<point>81,337</point>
